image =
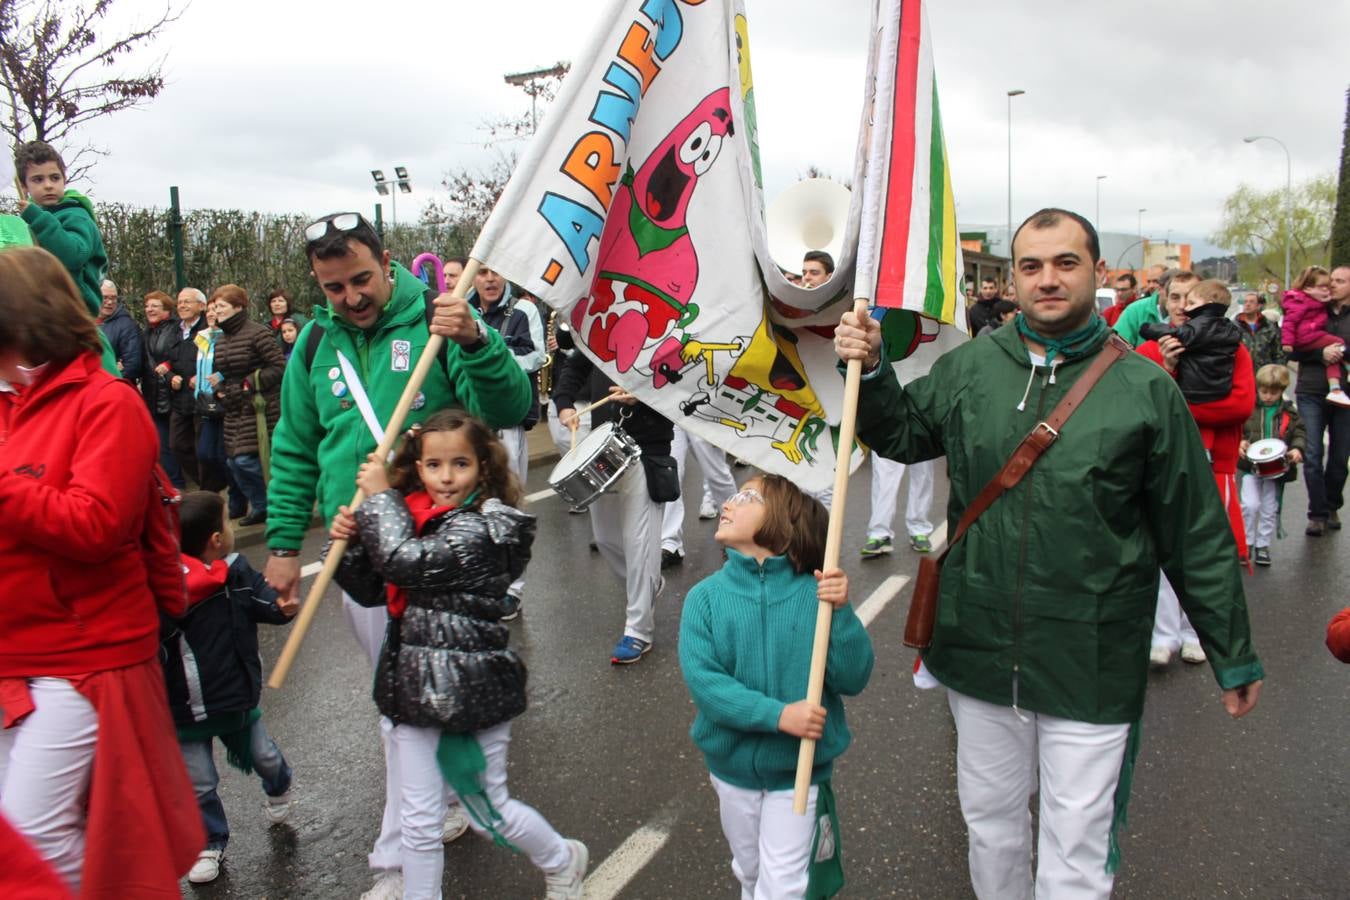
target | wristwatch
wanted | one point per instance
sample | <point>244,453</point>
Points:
<point>482,338</point>
<point>283,553</point>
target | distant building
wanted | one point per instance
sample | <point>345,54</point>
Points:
<point>1224,268</point>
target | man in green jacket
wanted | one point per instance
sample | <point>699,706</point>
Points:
<point>1153,308</point>
<point>373,331</point>
<point>1046,606</point>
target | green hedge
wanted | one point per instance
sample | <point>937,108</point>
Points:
<point>257,251</point>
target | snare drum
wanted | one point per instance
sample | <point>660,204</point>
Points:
<point>594,465</point>
<point>1268,458</point>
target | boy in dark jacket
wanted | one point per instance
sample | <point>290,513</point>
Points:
<point>1274,417</point>
<point>214,674</point>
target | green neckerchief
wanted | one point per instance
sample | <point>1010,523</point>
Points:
<point>461,761</point>
<point>233,730</point>
<point>1072,346</point>
<point>1268,414</point>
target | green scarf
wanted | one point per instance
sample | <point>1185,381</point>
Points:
<point>1072,346</point>
<point>233,730</point>
<point>461,761</point>
<point>1268,414</point>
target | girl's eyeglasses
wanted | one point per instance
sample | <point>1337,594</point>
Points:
<point>741,498</point>
<point>339,222</point>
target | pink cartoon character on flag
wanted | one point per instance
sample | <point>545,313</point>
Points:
<point>647,267</point>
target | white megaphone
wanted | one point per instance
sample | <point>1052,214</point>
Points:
<point>810,215</point>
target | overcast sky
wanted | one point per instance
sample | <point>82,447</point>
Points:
<point>285,105</point>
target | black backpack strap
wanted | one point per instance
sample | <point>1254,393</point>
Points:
<point>315,333</point>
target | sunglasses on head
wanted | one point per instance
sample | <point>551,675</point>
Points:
<point>743,497</point>
<point>339,222</point>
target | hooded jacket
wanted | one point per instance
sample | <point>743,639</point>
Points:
<point>445,661</point>
<point>1048,602</point>
<point>745,651</point>
<point>76,456</point>
<point>210,655</point>
<point>1305,320</point>
<point>124,335</point>
<point>1205,371</point>
<point>68,231</point>
<point>1145,309</point>
<point>322,439</point>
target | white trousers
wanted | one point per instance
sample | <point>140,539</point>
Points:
<point>886,475</point>
<point>1260,509</point>
<point>999,755</point>
<point>717,483</point>
<point>627,527</point>
<point>770,844</point>
<point>424,805</point>
<point>45,764</point>
<point>368,625</point>
<point>1171,628</point>
<point>518,453</point>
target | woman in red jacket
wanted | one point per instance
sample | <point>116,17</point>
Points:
<point>1220,422</point>
<point>81,693</point>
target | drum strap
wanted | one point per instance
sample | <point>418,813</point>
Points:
<point>359,395</point>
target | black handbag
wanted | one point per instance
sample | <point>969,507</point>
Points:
<point>207,405</point>
<point>663,479</point>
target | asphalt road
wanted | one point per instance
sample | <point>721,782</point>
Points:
<point>1258,808</point>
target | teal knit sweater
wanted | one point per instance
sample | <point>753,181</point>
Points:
<point>745,650</point>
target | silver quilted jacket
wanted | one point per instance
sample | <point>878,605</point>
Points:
<point>445,663</point>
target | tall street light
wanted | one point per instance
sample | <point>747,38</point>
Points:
<point>1288,198</point>
<point>400,184</point>
<point>1016,92</point>
<point>1142,248</point>
<point>1097,222</point>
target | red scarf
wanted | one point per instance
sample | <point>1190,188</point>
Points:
<point>419,504</point>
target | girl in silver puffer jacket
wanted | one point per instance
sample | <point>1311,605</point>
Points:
<point>438,542</point>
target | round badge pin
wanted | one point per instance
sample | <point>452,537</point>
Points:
<point>419,401</point>
<point>339,389</point>
<point>334,373</point>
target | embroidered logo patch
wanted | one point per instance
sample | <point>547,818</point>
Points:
<point>401,356</point>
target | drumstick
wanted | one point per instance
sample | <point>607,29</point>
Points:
<point>585,409</point>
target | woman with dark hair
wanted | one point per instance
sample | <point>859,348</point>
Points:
<point>162,340</point>
<point>248,362</point>
<point>282,310</point>
<point>90,771</point>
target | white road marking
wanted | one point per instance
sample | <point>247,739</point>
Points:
<point>313,568</point>
<point>540,495</point>
<point>612,875</point>
<point>939,538</point>
<point>883,595</point>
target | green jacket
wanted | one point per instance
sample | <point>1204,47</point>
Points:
<point>745,650</point>
<point>68,232</point>
<point>1145,309</point>
<point>322,439</point>
<point>1047,603</point>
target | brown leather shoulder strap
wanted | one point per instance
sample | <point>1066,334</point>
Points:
<point>1041,437</point>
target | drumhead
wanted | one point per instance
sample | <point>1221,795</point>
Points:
<point>579,455</point>
<point>1266,450</point>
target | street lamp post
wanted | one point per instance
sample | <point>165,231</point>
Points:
<point>1016,92</point>
<point>1097,222</point>
<point>385,188</point>
<point>1140,235</point>
<point>1288,198</point>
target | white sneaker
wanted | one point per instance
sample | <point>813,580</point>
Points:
<point>388,886</point>
<point>566,883</point>
<point>1191,653</point>
<point>1338,397</point>
<point>456,823</point>
<point>707,509</point>
<point>1159,657</point>
<point>207,867</point>
<point>278,809</point>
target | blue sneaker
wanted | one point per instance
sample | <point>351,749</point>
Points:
<point>629,650</point>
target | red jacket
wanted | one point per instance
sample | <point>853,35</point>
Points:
<point>1338,635</point>
<point>76,452</point>
<point>1221,421</point>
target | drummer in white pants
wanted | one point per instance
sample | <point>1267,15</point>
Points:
<point>1172,630</point>
<point>886,475</point>
<point>718,485</point>
<point>626,519</point>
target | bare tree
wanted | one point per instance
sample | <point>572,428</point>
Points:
<point>59,71</point>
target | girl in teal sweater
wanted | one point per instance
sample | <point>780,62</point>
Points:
<point>745,650</point>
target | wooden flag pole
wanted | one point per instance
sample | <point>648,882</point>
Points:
<point>430,354</point>
<point>834,540</point>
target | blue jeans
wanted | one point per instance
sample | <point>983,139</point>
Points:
<point>268,763</point>
<point>166,457</point>
<point>1325,478</point>
<point>248,474</point>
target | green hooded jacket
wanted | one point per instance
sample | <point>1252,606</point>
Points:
<point>1145,309</point>
<point>322,438</point>
<point>68,232</point>
<point>1047,603</point>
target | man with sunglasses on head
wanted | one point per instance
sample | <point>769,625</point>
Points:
<point>350,367</point>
